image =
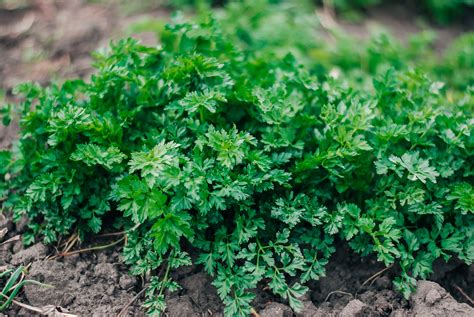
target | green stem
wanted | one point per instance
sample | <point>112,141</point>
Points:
<point>165,278</point>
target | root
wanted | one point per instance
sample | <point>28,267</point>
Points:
<point>374,277</point>
<point>337,292</point>
<point>123,312</point>
<point>467,297</point>
<point>99,247</point>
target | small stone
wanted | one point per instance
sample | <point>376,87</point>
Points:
<point>353,308</point>
<point>276,310</point>
<point>432,296</point>
<point>127,281</point>
<point>35,252</point>
<point>57,274</point>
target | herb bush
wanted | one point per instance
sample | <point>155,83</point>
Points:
<point>249,160</point>
<point>441,11</point>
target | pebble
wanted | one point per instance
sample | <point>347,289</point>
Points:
<point>353,308</point>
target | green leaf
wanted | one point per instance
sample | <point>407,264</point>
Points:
<point>230,146</point>
<point>153,163</point>
<point>92,154</point>
<point>463,194</point>
<point>137,200</point>
<point>168,230</point>
<point>418,168</point>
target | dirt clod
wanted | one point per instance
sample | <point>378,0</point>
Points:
<point>431,299</point>
<point>93,292</point>
<point>276,310</point>
<point>432,296</point>
<point>353,308</point>
<point>127,281</point>
<point>106,271</point>
<point>309,310</point>
<point>56,274</point>
<point>17,247</point>
<point>25,256</point>
<point>181,307</point>
<point>200,290</point>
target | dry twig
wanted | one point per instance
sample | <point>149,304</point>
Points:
<point>99,247</point>
<point>374,277</point>
<point>467,297</point>
<point>254,312</point>
<point>125,308</point>
<point>337,292</point>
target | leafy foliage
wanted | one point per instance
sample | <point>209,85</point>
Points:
<point>218,143</point>
<point>441,11</point>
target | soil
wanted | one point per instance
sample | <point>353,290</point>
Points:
<point>53,39</point>
<point>98,284</point>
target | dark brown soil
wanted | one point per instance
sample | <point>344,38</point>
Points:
<point>53,39</point>
<point>97,283</point>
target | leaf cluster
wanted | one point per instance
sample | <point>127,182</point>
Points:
<point>248,157</point>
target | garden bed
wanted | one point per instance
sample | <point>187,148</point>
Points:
<point>97,282</point>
